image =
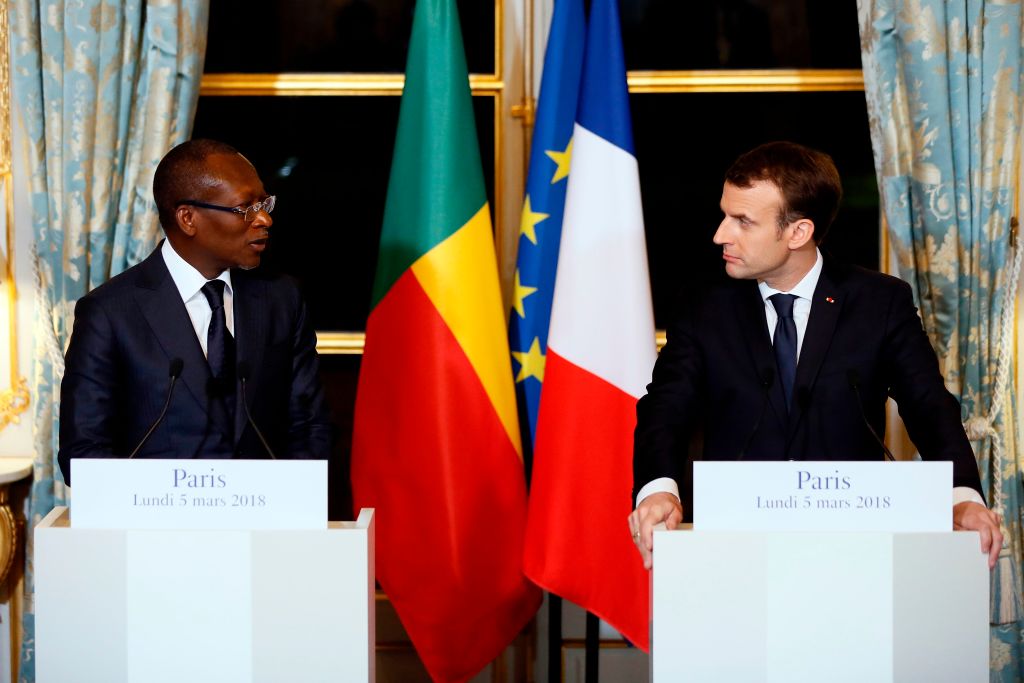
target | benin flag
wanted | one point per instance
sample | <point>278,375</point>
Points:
<point>436,447</point>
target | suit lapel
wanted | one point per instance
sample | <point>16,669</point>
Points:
<point>754,328</point>
<point>826,306</point>
<point>250,338</point>
<point>162,307</point>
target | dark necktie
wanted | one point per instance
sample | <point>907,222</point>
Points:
<point>217,335</point>
<point>785,343</point>
<point>220,354</point>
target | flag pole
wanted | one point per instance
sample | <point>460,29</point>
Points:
<point>593,648</point>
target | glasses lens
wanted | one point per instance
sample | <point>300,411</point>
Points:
<point>266,205</point>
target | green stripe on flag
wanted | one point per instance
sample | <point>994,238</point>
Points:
<point>436,182</point>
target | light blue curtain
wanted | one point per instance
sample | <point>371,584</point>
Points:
<point>103,90</point>
<point>943,84</point>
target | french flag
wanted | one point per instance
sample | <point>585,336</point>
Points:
<point>601,352</point>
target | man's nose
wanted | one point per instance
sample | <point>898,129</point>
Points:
<point>262,220</point>
<point>720,237</point>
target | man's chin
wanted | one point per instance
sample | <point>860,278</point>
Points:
<point>736,271</point>
<point>250,263</point>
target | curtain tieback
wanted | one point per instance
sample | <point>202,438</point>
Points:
<point>979,427</point>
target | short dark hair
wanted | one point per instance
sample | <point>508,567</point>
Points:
<point>807,180</point>
<point>182,175</point>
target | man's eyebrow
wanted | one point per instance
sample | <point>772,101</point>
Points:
<point>739,215</point>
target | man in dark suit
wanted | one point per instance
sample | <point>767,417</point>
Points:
<point>778,363</point>
<point>196,308</point>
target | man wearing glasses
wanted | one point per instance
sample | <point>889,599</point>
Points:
<point>165,358</point>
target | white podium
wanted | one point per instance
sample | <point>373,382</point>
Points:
<point>221,606</point>
<point>809,606</point>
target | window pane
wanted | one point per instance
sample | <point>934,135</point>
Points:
<point>740,34</point>
<point>327,159</point>
<point>281,36</point>
<point>685,143</point>
<point>340,375</point>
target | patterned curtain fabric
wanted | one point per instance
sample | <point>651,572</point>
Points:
<point>103,89</point>
<point>943,88</point>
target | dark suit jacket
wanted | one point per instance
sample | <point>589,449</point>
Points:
<point>117,372</point>
<point>717,373</point>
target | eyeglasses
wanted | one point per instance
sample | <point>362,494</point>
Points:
<point>248,213</point>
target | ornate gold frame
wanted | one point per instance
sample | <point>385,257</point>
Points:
<point>14,400</point>
<point>331,342</point>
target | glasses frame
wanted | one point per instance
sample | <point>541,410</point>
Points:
<point>243,211</point>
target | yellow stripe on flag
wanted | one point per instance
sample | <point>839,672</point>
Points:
<point>460,275</point>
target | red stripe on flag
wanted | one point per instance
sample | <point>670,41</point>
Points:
<point>578,543</point>
<point>430,454</point>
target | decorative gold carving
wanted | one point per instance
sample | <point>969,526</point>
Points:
<point>8,535</point>
<point>14,402</point>
<point>751,80</point>
<point>5,97</point>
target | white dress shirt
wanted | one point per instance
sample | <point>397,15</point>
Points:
<point>189,282</point>
<point>804,292</point>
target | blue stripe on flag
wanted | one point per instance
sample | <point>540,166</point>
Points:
<point>541,223</point>
<point>604,101</point>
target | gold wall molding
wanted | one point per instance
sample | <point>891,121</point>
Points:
<point>750,80</point>
<point>332,85</point>
<point>5,97</point>
<point>340,343</point>
<point>707,81</point>
<point>15,400</point>
<point>352,343</point>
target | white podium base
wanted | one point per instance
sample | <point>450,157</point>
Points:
<point>220,606</point>
<point>794,607</point>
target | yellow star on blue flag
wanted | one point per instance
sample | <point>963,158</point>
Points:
<point>545,201</point>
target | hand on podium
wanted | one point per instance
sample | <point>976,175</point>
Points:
<point>970,516</point>
<point>654,509</point>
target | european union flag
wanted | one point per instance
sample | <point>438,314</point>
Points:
<point>540,228</point>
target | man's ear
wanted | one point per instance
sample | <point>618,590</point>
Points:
<point>803,232</point>
<point>186,219</point>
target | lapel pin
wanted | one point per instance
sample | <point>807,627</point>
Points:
<point>830,299</point>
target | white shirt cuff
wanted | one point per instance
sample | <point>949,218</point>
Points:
<point>660,485</point>
<point>962,494</point>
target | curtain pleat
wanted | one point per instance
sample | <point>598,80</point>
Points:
<point>103,89</point>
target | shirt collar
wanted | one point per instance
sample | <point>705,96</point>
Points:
<point>186,278</point>
<point>803,289</point>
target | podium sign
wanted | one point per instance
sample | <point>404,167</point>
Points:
<point>823,496</point>
<point>198,494</point>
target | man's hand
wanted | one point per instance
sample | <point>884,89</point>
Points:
<point>654,509</point>
<point>970,516</point>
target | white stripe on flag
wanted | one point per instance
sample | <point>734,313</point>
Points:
<point>601,318</point>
